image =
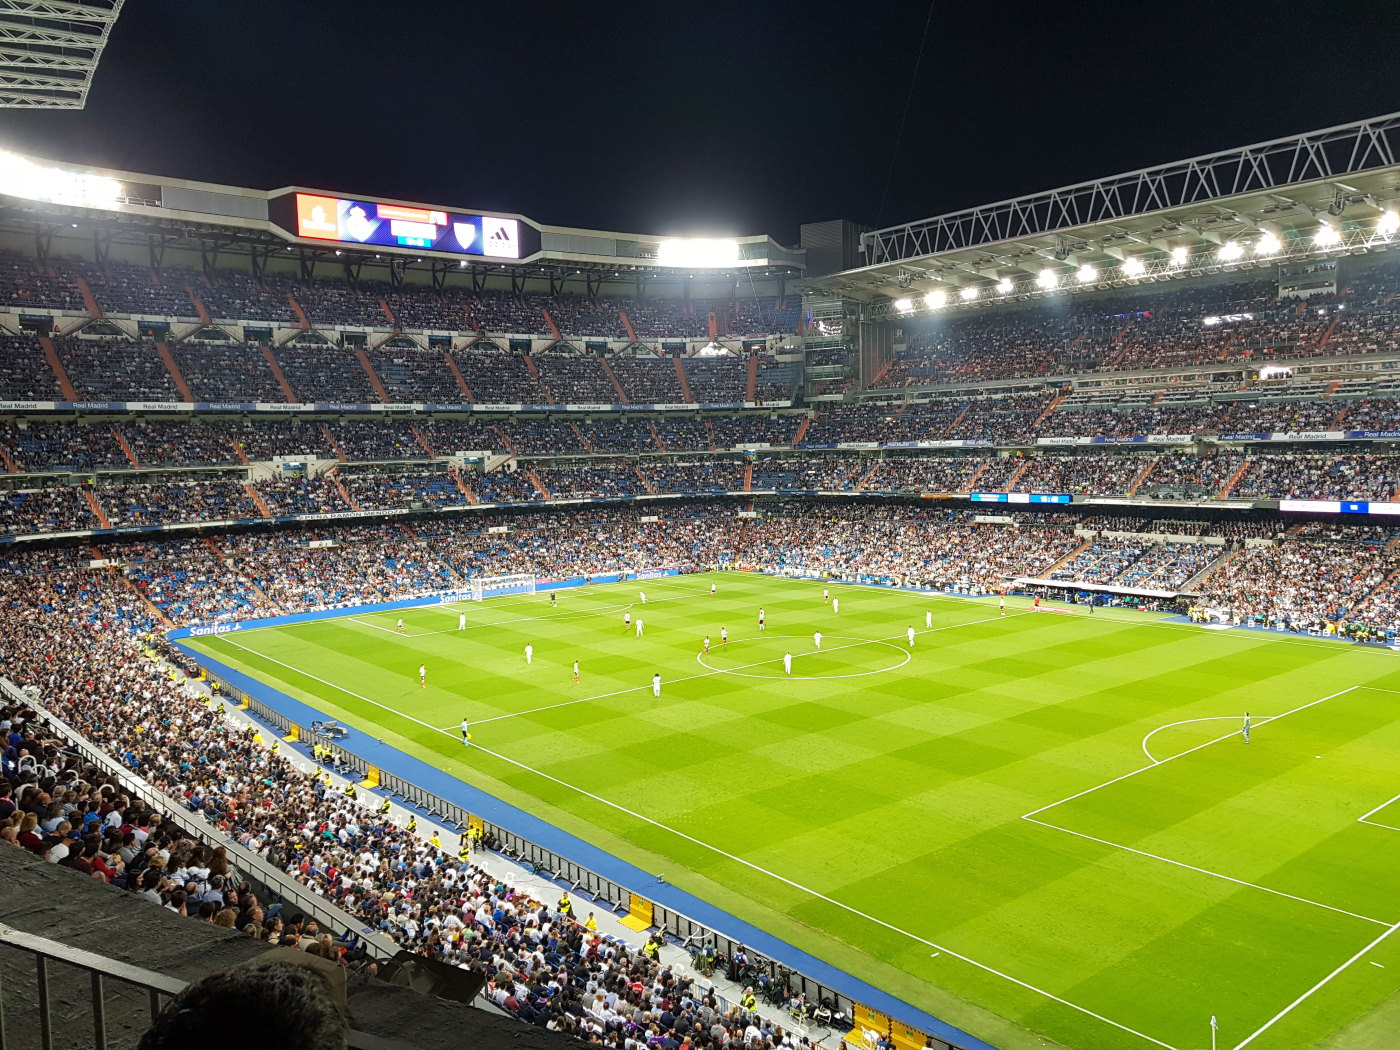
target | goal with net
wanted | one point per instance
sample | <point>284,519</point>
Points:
<point>500,586</point>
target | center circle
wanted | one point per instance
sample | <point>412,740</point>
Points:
<point>753,668</point>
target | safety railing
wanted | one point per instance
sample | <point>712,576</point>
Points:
<point>49,955</point>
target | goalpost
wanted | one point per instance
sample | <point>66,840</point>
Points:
<point>500,586</point>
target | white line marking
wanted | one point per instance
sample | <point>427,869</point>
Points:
<point>1207,871</point>
<point>1289,1008</point>
<point>710,674</point>
<point>1180,864</point>
<point>740,860</point>
<point>1189,751</point>
<point>1187,721</point>
<point>1365,818</point>
<point>738,673</point>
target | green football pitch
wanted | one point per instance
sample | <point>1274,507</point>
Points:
<point>1044,827</point>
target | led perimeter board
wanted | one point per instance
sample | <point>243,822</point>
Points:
<point>359,222</point>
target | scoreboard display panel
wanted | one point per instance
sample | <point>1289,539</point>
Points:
<point>346,221</point>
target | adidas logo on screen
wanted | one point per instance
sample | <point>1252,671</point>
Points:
<point>502,237</point>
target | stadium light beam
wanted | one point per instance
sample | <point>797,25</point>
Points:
<point>1087,274</point>
<point>968,293</point>
<point>1005,286</point>
<point>1179,255</point>
<point>1327,236</point>
<point>904,306</point>
<point>1047,278</point>
<point>936,299</point>
<point>1133,267</point>
<point>1230,251</point>
<point>1267,245</point>
<point>1389,224</point>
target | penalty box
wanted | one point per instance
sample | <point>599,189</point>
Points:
<point>1280,813</point>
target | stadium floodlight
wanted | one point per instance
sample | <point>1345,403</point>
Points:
<point>1389,224</point>
<point>1087,274</point>
<point>936,299</point>
<point>698,252</point>
<point>1230,251</point>
<point>969,292</point>
<point>1267,245</point>
<point>1132,267</point>
<point>1179,255</point>
<point>21,177</point>
<point>904,306</point>
<point>1005,285</point>
<point>1327,236</point>
<point>1047,278</point>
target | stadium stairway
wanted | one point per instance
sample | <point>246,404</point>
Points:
<point>505,440</point>
<point>539,485</point>
<point>656,436</point>
<point>96,508</point>
<point>953,426</point>
<point>627,326</point>
<point>1226,554</point>
<point>801,431</point>
<point>881,374</point>
<point>534,371</point>
<point>89,300</point>
<point>465,489</point>
<point>1327,335</point>
<point>752,386</point>
<point>1082,546</point>
<point>121,441</point>
<point>1010,485</point>
<point>374,381</point>
<point>344,492</point>
<point>151,606</point>
<point>255,496</point>
<point>422,442</point>
<point>972,481</point>
<point>303,321</point>
<point>238,451</point>
<point>174,369</point>
<point>1054,404</point>
<point>860,485</point>
<point>7,460</point>
<point>748,477</point>
<point>646,484</point>
<point>1142,476</point>
<point>388,313</point>
<point>709,435</point>
<point>59,373</point>
<point>282,383</point>
<point>612,376</point>
<point>199,308</point>
<point>587,447</point>
<point>326,431</point>
<point>685,386</point>
<point>553,330</point>
<point>458,378</point>
<point>1235,478</point>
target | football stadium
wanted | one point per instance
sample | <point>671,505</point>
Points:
<point>442,627</point>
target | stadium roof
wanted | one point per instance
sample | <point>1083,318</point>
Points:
<point>49,50</point>
<point>1325,192</point>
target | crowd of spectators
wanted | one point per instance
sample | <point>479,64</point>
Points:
<point>322,373</point>
<point>411,374</point>
<point>230,373</point>
<point>121,287</point>
<point>570,378</point>
<point>102,370</point>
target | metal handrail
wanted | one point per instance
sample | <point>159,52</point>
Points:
<point>101,969</point>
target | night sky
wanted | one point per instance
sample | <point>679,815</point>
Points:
<point>713,117</point>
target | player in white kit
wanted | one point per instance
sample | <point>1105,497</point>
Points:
<point>462,621</point>
<point>724,637</point>
<point>910,633</point>
<point>713,590</point>
<point>1001,604</point>
<point>928,618</point>
<point>836,605</point>
<point>529,654</point>
<point>643,596</point>
<point>826,595</point>
<point>761,625</point>
<point>639,626</point>
<point>466,733</point>
<point>422,676</point>
<point>627,621</point>
<point>817,639</point>
<point>787,663</point>
<point>399,626</point>
<point>656,684</point>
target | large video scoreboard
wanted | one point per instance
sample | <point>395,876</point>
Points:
<point>358,222</point>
